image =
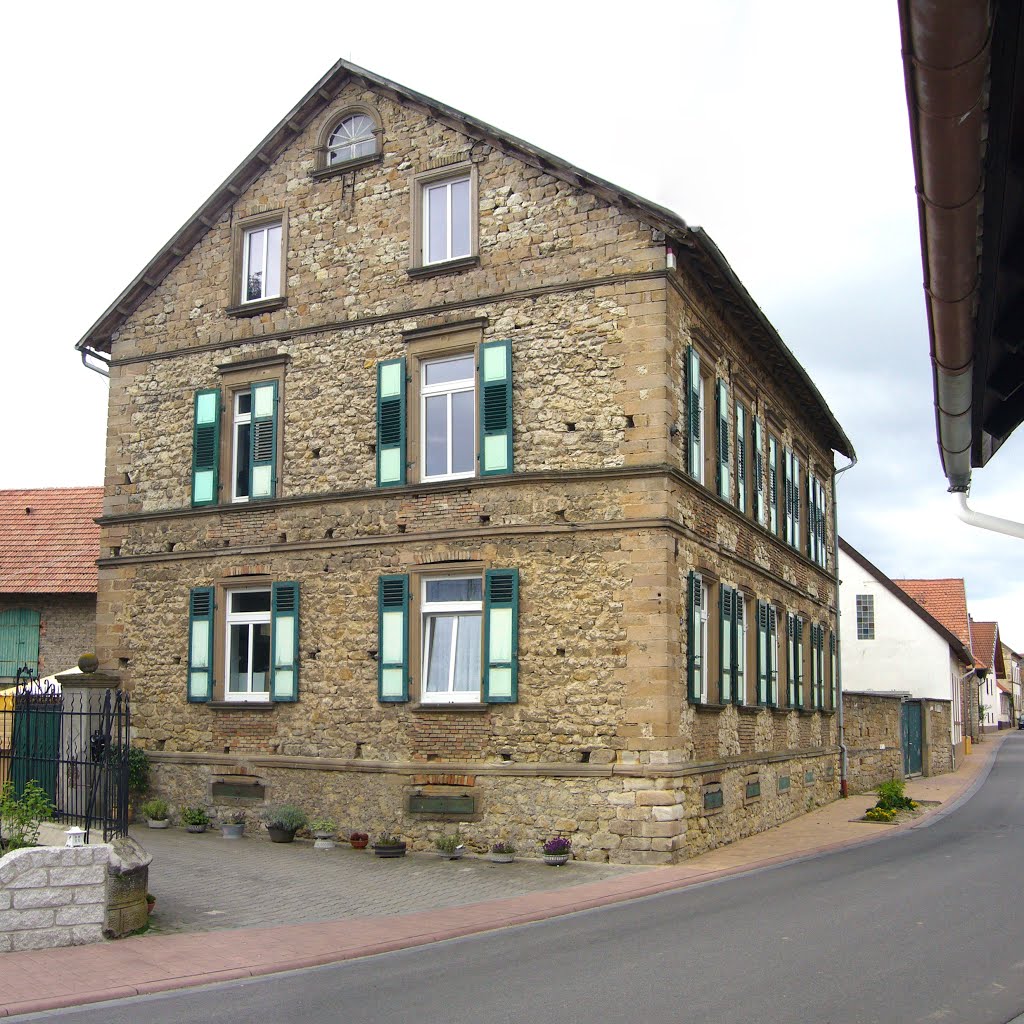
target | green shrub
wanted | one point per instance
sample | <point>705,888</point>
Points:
<point>892,796</point>
<point>194,816</point>
<point>156,809</point>
<point>20,816</point>
<point>286,817</point>
<point>449,842</point>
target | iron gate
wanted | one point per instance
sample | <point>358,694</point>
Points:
<point>75,746</point>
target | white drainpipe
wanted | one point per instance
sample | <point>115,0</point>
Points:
<point>986,522</point>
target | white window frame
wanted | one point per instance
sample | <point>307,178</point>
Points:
<point>247,234</point>
<point>703,430</point>
<point>446,184</point>
<point>739,669</point>
<point>703,642</point>
<point>353,141</point>
<point>430,608</point>
<point>238,420</point>
<point>449,388</point>
<point>241,619</point>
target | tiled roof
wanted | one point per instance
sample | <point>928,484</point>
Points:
<point>984,635</point>
<point>49,542</point>
<point>945,600</point>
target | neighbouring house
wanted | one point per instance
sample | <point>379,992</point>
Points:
<point>1012,664</point>
<point>448,482</point>
<point>946,601</point>
<point>892,644</point>
<point>989,659</point>
<point>49,544</point>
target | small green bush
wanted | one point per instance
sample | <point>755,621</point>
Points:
<point>20,816</point>
<point>880,814</point>
<point>156,809</point>
<point>892,796</point>
<point>449,842</point>
<point>194,816</point>
<point>286,817</point>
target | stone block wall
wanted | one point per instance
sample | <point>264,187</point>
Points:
<point>936,721</point>
<point>67,626</point>
<point>874,745</point>
<point>52,896</point>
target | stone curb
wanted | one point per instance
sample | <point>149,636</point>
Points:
<point>562,902</point>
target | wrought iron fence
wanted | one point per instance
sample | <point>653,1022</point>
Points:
<point>72,743</point>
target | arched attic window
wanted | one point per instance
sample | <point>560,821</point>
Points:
<point>350,137</point>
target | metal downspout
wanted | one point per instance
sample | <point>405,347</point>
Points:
<point>101,363</point>
<point>843,754</point>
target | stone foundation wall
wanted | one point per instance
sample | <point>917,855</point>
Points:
<point>936,719</point>
<point>871,723</point>
<point>611,813</point>
<point>52,896</point>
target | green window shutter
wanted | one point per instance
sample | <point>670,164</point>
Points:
<point>773,485</point>
<point>759,509</point>
<point>812,518</point>
<point>393,639</point>
<point>790,659</point>
<point>796,502</point>
<point>495,414</point>
<point>773,656</point>
<point>694,645</point>
<point>787,486</point>
<point>726,647</point>
<point>739,658</point>
<point>200,644</point>
<point>814,663</point>
<point>391,457</point>
<point>284,641</point>
<point>762,653</point>
<point>205,446</point>
<point>821,526</point>
<point>741,458</point>
<point>722,416</point>
<point>263,442</point>
<point>693,414</point>
<point>833,671</point>
<point>799,656</point>
<point>19,642</point>
<point>501,617</point>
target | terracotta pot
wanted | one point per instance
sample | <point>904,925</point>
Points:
<point>359,844</point>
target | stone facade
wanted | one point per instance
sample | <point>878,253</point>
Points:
<point>67,627</point>
<point>601,518</point>
<point>51,896</point>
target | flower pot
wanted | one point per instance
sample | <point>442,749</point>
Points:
<point>158,822</point>
<point>455,854</point>
<point>501,858</point>
<point>150,904</point>
<point>324,841</point>
<point>359,844</point>
<point>231,830</point>
<point>280,835</point>
<point>391,850</point>
<point>556,860</point>
<point>195,828</point>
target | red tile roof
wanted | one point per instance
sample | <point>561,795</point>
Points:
<point>48,540</point>
<point>945,600</point>
<point>984,635</point>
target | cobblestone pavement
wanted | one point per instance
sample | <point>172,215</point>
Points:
<point>204,883</point>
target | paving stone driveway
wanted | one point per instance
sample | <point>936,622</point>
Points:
<point>203,882</point>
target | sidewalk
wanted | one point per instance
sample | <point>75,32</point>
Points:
<point>48,979</point>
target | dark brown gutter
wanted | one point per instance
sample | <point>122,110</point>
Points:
<point>946,57</point>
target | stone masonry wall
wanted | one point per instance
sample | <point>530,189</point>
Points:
<point>67,626</point>
<point>872,726</point>
<point>51,896</point>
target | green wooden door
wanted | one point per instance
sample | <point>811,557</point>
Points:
<point>912,761</point>
<point>19,641</point>
<point>35,745</point>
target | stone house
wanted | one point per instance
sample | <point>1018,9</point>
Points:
<point>448,482</point>
<point>49,543</point>
<point>892,644</point>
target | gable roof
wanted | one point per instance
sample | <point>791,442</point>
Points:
<point>960,644</point>
<point>986,635</point>
<point>49,540</point>
<point>695,247</point>
<point>945,599</point>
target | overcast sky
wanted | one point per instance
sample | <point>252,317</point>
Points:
<point>779,127</point>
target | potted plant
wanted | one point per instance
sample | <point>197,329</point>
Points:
<point>157,813</point>
<point>503,851</point>
<point>450,845</point>
<point>232,825</point>
<point>358,840</point>
<point>557,850</point>
<point>283,821</point>
<point>388,845</point>
<point>324,831</point>
<point>195,819</point>
<point>150,902</point>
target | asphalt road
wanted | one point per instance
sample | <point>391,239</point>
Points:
<point>924,926</point>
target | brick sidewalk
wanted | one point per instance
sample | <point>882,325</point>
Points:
<point>156,963</point>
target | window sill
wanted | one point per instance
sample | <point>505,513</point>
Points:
<point>241,705</point>
<point>698,704</point>
<point>257,307</point>
<point>335,170</point>
<point>448,267</point>
<point>465,706</point>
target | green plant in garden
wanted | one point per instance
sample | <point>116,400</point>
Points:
<point>449,842</point>
<point>286,817</point>
<point>156,809</point>
<point>892,796</point>
<point>20,816</point>
<point>880,814</point>
<point>194,816</point>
